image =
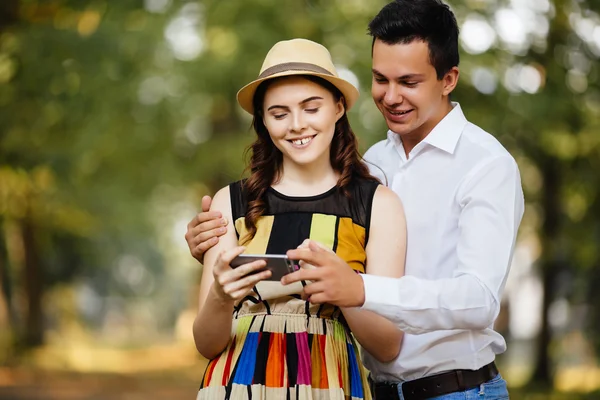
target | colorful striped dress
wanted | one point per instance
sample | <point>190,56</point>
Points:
<point>283,347</point>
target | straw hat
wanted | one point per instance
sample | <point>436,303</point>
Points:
<point>297,57</point>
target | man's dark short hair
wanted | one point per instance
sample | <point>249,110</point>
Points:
<point>403,21</point>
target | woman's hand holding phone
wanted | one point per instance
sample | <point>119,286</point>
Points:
<point>234,284</point>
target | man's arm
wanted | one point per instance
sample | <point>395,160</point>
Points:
<point>492,207</point>
<point>386,253</point>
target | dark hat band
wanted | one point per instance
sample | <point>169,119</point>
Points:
<point>293,66</point>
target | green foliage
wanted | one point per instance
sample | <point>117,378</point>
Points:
<point>117,118</point>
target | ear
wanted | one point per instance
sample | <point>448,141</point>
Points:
<point>450,80</point>
<point>340,109</point>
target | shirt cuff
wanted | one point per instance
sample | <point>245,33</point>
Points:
<point>379,290</point>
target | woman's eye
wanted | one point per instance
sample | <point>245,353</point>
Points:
<point>279,116</point>
<point>312,110</point>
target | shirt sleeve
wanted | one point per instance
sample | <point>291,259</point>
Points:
<point>491,199</point>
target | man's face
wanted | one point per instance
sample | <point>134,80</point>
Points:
<point>406,90</point>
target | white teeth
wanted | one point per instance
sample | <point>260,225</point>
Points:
<point>302,141</point>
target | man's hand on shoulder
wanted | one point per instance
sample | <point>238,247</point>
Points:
<point>204,229</point>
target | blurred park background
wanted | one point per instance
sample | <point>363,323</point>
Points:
<point>116,116</point>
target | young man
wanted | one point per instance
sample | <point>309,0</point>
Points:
<point>463,201</point>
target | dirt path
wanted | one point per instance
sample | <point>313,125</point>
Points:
<point>50,385</point>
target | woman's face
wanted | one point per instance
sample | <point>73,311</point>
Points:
<point>300,116</point>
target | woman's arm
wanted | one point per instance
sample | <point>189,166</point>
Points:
<point>386,253</point>
<point>222,286</point>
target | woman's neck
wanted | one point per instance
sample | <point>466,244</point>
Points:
<point>306,180</point>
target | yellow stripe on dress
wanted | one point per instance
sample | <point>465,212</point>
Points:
<point>260,241</point>
<point>331,361</point>
<point>322,229</point>
<point>351,244</point>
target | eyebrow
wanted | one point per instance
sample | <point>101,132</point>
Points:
<point>401,78</point>
<point>302,102</point>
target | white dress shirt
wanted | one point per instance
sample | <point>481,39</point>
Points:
<point>463,201</point>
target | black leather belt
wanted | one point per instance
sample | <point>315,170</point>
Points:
<point>457,380</point>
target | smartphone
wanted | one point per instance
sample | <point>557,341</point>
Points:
<point>278,264</point>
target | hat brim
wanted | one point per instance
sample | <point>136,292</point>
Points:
<point>245,95</point>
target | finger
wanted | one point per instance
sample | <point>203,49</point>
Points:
<point>239,294</point>
<point>200,249</point>
<point>293,277</point>
<point>305,265</point>
<point>210,225</point>
<point>316,258</point>
<point>210,242</point>
<point>207,235</point>
<point>318,298</point>
<point>211,218</point>
<point>304,244</point>
<point>227,256</point>
<point>222,270</point>
<point>301,275</point>
<point>206,201</point>
<point>318,246</point>
<point>315,246</point>
<point>248,282</point>
<point>219,226</point>
<point>203,217</point>
<point>248,268</point>
<point>314,288</point>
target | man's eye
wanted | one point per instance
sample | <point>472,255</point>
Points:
<point>411,84</point>
<point>380,80</point>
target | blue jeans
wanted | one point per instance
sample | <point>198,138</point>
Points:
<point>494,389</point>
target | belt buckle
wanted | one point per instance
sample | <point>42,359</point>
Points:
<point>460,380</point>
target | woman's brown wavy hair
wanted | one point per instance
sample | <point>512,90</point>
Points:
<point>266,159</point>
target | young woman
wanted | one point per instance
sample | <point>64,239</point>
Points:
<point>306,181</point>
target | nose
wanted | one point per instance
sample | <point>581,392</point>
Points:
<point>392,95</point>
<point>298,123</point>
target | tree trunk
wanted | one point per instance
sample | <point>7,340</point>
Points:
<point>33,285</point>
<point>550,265</point>
<point>6,289</point>
<point>5,322</point>
<point>9,13</point>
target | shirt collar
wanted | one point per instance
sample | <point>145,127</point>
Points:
<point>444,135</point>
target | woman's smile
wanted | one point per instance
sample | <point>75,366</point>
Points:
<point>303,142</point>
